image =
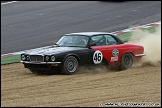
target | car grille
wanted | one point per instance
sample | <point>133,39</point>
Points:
<point>36,58</point>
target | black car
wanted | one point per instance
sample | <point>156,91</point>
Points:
<point>85,48</point>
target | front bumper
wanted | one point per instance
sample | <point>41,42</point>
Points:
<point>41,66</point>
<point>37,62</point>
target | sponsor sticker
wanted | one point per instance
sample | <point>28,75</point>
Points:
<point>114,59</point>
<point>115,52</point>
<point>97,57</point>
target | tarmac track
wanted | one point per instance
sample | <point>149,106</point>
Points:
<point>20,87</point>
<point>33,24</point>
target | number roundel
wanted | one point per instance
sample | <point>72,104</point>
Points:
<point>97,57</point>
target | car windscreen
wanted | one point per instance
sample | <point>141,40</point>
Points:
<point>73,41</point>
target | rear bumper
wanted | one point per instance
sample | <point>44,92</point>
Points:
<point>139,55</point>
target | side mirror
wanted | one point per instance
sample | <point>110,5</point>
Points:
<point>93,44</point>
<point>55,44</point>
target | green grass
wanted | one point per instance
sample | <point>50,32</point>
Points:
<point>10,59</point>
<point>125,37</point>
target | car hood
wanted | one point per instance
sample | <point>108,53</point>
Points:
<point>55,50</point>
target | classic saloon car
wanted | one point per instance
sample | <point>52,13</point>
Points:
<point>84,48</point>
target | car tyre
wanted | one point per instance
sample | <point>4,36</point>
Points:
<point>126,61</point>
<point>70,65</point>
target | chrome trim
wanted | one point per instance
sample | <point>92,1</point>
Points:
<point>37,62</point>
<point>137,55</point>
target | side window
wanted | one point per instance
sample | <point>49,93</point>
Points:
<point>99,40</point>
<point>110,39</point>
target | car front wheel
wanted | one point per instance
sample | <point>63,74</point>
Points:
<point>70,65</point>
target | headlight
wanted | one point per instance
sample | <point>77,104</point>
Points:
<point>53,58</point>
<point>28,57</point>
<point>23,57</point>
<point>46,58</point>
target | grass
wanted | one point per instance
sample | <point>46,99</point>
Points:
<point>10,59</point>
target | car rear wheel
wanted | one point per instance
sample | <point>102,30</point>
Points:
<point>126,61</point>
<point>70,65</point>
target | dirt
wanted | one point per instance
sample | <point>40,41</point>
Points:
<point>20,87</point>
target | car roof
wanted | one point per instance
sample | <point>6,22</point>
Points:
<point>88,33</point>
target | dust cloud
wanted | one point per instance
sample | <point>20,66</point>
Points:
<point>152,46</point>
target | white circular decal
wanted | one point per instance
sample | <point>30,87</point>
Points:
<point>97,57</point>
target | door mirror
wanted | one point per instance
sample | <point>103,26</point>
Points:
<point>55,43</point>
<point>93,44</point>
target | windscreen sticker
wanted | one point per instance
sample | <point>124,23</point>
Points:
<point>97,57</point>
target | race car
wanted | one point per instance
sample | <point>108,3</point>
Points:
<point>84,48</point>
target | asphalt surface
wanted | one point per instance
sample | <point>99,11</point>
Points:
<point>32,24</point>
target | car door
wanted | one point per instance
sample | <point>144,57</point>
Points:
<point>114,49</point>
<point>100,48</point>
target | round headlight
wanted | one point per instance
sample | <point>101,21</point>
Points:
<point>23,57</point>
<point>47,58</point>
<point>28,57</point>
<point>53,58</point>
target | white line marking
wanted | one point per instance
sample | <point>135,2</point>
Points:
<point>9,2</point>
